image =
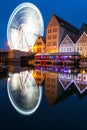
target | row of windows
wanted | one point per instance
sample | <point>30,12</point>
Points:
<point>53,36</point>
<point>81,77</point>
<point>66,49</point>
<point>51,79</point>
<point>51,92</point>
<point>40,49</point>
<point>39,43</point>
<point>52,30</point>
<point>53,23</point>
<point>80,48</point>
<point>51,43</point>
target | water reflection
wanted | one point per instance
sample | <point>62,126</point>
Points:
<point>60,85</point>
<point>24,86</point>
<point>23,92</point>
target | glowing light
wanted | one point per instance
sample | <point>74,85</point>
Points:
<point>24,27</point>
<point>23,92</point>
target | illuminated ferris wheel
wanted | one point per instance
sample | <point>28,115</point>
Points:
<point>24,26</point>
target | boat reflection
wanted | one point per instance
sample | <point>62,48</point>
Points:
<point>24,93</point>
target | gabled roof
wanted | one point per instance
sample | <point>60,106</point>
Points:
<point>81,86</point>
<point>69,38</point>
<point>65,24</point>
<point>65,83</point>
<point>83,29</point>
<point>83,35</point>
<point>43,39</point>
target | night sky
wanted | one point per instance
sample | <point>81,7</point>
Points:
<point>73,11</point>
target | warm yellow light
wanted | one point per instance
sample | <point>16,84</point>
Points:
<point>83,71</point>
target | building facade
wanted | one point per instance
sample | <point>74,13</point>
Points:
<point>81,44</point>
<point>51,87</point>
<point>67,45</point>
<point>39,76</point>
<point>39,46</point>
<point>56,30</point>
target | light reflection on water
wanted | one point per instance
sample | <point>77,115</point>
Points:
<point>23,92</point>
<point>25,86</point>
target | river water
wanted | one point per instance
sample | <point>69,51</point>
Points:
<point>43,99</point>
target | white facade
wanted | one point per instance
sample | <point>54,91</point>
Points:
<point>67,45</point>
<point>81,44</point>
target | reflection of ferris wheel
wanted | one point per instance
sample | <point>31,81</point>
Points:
<point>24,26</point>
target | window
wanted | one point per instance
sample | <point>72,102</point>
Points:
<point>39,73</point>
<point>85,48</point>
<point>81,48</point>
<point>53,80</point>
<point>48,79</point>
<point>84,78</point>
<point>39,43</point>
<point>49,30</point>
<point>77,48</point>
<point>54,36</point>
<point>49,44</point>
<point>54,43</point>
<point>49,37</point>
<point>54,29</point>
<point>38,49</point>
<point>79,77</point>
<point>43,48</point>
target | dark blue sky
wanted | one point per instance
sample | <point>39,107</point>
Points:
<point>73,11</point>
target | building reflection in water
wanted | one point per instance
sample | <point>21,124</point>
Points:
<point>80,81</point>
<point>59,86</point>
<point>25,87</point>
<point>24,93</point>
<point>39,76</point>
<point>51,87</point>
<point>65,79</point>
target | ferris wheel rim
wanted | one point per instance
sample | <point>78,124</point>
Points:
<point>16,10</point>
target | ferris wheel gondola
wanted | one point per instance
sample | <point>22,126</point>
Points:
<point>24,26</point>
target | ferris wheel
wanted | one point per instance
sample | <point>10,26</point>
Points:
<point>24,26</point>
<point>24,94</point>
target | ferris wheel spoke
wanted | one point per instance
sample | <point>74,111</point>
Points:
<point>24,26</point>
